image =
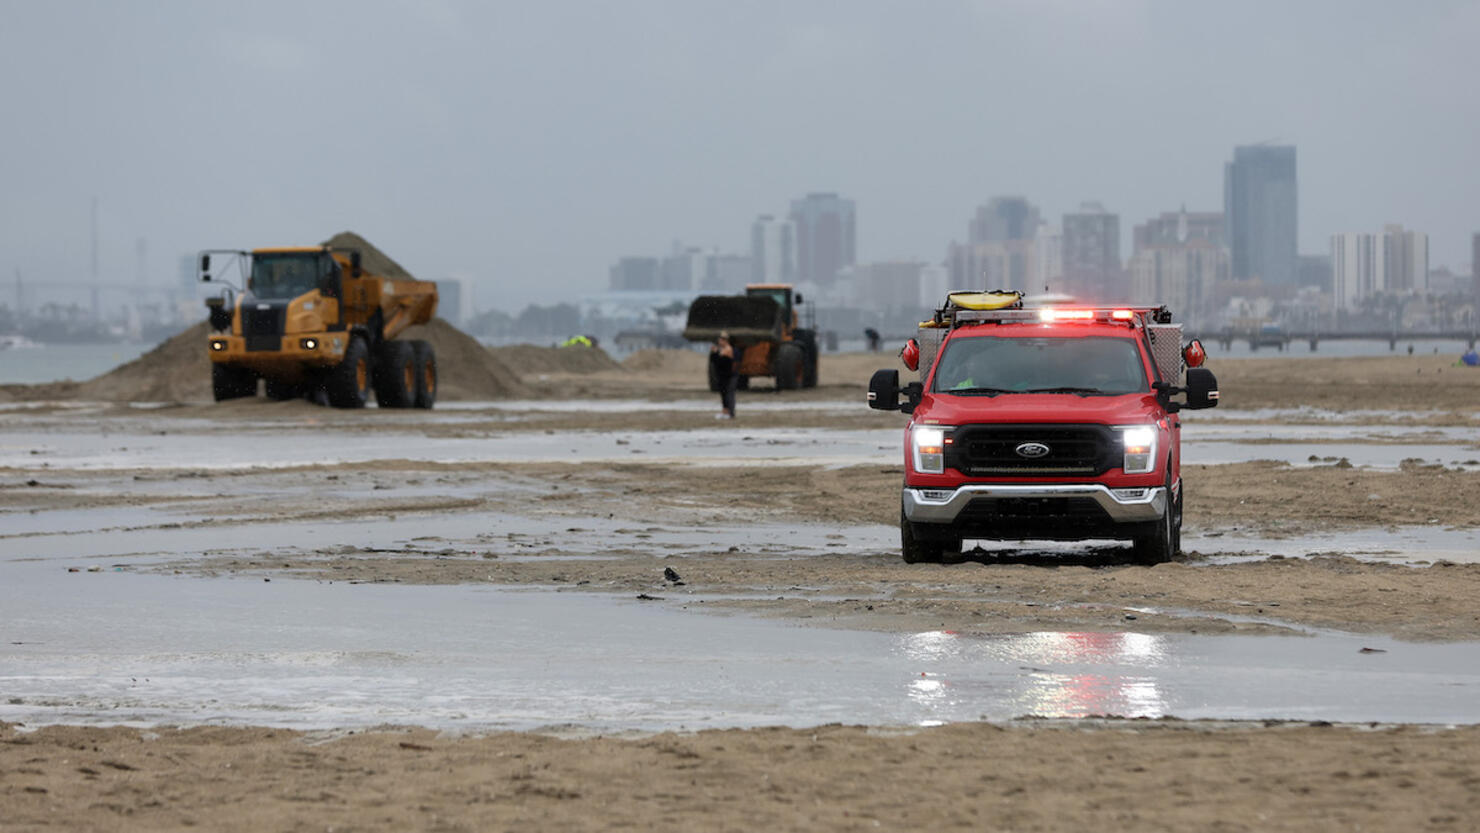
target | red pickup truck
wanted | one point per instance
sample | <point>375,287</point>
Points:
<point>1053,422</point>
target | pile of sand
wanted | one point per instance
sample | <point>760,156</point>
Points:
<point>682,361</point>
<point>175,371</point>
<point>372,260</point>
<point>532,360</point>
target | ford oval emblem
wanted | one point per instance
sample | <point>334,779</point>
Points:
<point>1032,450</point>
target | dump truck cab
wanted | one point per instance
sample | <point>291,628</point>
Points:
<point>1043,423</point>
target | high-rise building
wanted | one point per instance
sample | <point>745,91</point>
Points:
<point>825,235</point>
<point>1091,252</point>
<point>1003,218</point>
<point>999,252</point>
<point>773,252</point>
<point>1356,268</point>
<point>1394,262</point>
<point>635,274</point>
<point>889,287</point>
<point>1178,259</point>
<point>683,269</point>
<point>1260,210</point>
<point>1405,260</point>
<point>1475,263</point>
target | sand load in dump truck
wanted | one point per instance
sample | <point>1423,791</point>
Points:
<point>762,325</point>
<point>320,322</point>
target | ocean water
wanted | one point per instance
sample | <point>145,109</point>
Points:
<point>55,362</point>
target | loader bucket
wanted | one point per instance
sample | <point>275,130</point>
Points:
<point>747,319</point>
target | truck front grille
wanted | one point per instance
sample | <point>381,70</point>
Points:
<point>263,328</point>
<point>1073,450</point>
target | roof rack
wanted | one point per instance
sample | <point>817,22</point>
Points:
<point>1006,307</point>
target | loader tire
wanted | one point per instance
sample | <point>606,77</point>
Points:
<point>348,383</point>
<point>426,374</point>
<point>231,382</point>
<point>395,375</point>
<point>809,369</point>
<point>790,361</point>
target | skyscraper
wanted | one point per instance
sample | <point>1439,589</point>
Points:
<point>1177,260</point>
<point>1260,209</point>
<point>1091,245</point>
<point>773,252</point>
<point>999,252</point>
<point>825,237</point>
<point>1395,262</point>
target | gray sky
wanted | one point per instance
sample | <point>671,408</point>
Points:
<point>526,145</point>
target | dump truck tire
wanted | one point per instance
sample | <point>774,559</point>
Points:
<point>426,374</point>
<point>790,361</point>
<point>281,391</point>
<point>230,382</point>
<point>348,383</point>
<point>395,375</point>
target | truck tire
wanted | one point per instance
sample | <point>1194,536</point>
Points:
<point>916,550</point>
<point>426,374</point>
<point>790,362</point>
<point>232,382</point>
<point>1162,540</point>
<point>281,391</point>
<point>395,375</point>
<point>348,383</point>
<point>742,383</point>
<point>809,368</point>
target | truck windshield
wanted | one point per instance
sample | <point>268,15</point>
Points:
<point>284,275</point>
<point>1088,366</point>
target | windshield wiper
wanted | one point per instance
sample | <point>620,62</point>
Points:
<point>1077,391</point>
<point>980,391</point>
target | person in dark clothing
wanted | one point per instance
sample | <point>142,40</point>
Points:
<point>722,360</point>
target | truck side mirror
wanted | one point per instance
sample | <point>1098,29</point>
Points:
<point>799,297</point>
<point>354,264</point>
<point>1202,389</point>
<point>205,268</point>
<point>884,390</point>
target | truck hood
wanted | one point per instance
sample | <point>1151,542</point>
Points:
<point>949,409</point>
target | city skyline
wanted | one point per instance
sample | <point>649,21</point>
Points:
<point>523,148</point>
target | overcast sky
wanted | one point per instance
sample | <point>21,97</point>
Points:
<point>527,145</point>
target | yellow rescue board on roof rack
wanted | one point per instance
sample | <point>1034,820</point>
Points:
<point>998,299</point>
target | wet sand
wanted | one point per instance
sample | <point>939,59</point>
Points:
<point>1164,775</point>
<point>1106,775</point>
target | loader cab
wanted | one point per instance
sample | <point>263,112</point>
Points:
<point>287,274</point>
<point>782,294</point>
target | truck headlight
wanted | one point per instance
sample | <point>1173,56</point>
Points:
<point>308,343</point>
<point>1140,448</point>
<point>928,445</point>
<point>218,344</point>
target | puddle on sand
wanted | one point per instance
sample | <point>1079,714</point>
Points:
<point>1400,545</point>
<point>121,648</point>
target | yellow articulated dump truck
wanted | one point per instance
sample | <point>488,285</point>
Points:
<point>319,322</point>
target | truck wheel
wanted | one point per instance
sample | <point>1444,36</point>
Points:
<point>809,369</point>
<point>789,366</point>
<point>916,551</point>
<point>742,383</point>
<point>426,374</point>
<point>281,391</point>
<point>395,375</point>
<point>1163,539</point>
<point>348,384</point>
<point>232,382</point>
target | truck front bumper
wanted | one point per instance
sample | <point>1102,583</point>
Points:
<point>1011,511</point>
